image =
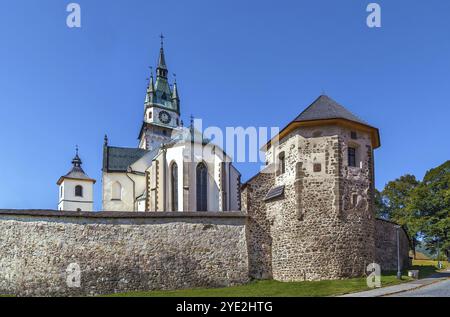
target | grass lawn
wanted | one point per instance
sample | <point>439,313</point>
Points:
<point>270,288</point>
<point>427,267</point>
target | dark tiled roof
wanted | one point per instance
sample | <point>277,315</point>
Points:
<point>326,108</point>
<point>274,193</point>
<point>77,173</point>
<point>117,159</point>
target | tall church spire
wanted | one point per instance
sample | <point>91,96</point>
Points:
<point>161,70</point>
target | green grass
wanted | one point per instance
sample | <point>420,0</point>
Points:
<point>270,288</point>
<point>427,267</point>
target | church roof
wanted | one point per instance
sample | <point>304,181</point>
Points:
<point>326,108</point>
<point>77,173</point>
<point>118,159</point>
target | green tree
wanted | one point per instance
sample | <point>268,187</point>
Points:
<point>430,202</point>
<point>395,204</point>
<point>380,207</point>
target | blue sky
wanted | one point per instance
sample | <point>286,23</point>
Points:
<point>238,63</point>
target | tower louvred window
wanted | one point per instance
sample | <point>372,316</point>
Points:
<point>79,191</point>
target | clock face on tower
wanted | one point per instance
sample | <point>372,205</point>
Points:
<point>164,117</point>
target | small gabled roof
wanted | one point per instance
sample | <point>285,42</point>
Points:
<point>118,159</point>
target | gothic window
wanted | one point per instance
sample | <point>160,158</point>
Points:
<point>317,167</point>
<point>116,191</point>
<point>202,187</point>
<point>174,186</point>
<point>164,96</point>
<point>282,163</point>
<point>352,156</point>
<point>79,191</point>
<point>150,115</point>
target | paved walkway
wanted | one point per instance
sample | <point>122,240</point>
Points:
<point>436,284</point>
<point>440,289</point>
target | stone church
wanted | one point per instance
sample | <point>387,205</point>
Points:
<point>174,168</point>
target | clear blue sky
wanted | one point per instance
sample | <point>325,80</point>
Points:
<point>238,63</point>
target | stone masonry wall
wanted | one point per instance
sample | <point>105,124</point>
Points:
<point>386,246</point>
<point>323,227</point>
<point>119,252</point>
<point>259,239</point>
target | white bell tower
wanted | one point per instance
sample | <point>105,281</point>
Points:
<point>76,189</point>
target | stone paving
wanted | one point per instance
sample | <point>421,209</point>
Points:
<point>436,285</point>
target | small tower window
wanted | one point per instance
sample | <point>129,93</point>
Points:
<point>282,163</point>
<point>352,156</point>
<point>150,115</point>
<point>354,135</point>
<point>317,167</point>
<point>79,191</point>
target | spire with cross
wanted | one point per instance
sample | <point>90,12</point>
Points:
<point>161,70</point>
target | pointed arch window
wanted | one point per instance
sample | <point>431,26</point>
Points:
<point>116,191</point>
<point>202,187</point>
<point>79,191</point>
<point>174,186</point>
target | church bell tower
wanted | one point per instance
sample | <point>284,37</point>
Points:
<point>161,107</point>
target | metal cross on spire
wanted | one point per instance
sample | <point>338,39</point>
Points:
<point>162,40</point>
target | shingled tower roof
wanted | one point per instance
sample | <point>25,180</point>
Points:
<point>76,172</point>
<point>326,111</point>
<point>326,108</point>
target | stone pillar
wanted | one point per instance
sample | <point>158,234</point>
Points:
<point>298,185</point>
